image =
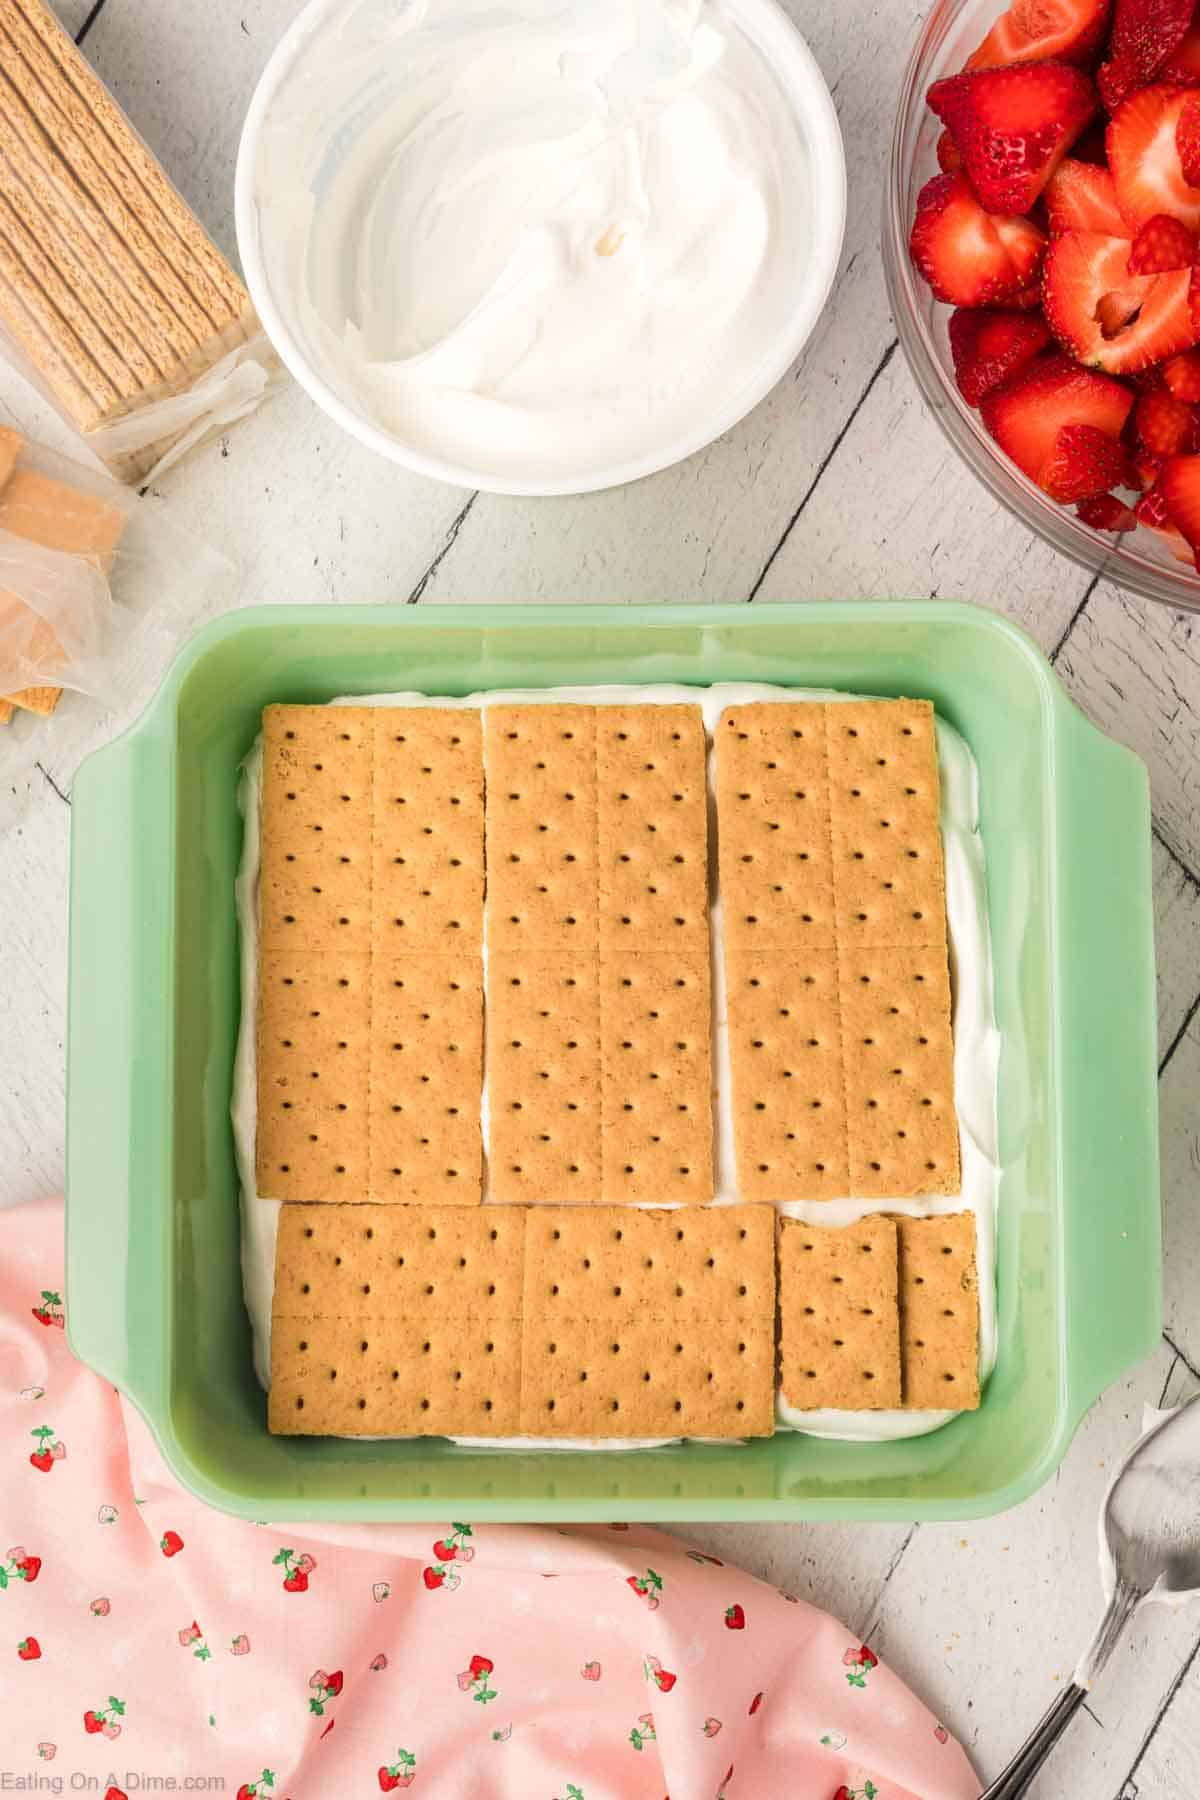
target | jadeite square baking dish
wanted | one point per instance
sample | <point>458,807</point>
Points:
<point>152,1199</point>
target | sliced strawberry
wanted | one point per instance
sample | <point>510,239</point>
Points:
<point>988,347</point>
<point>968,257</point>
<point>1081,197</point>
<point>1161,244</point>
<point>1180,483</point>
<point>1032,30</point>
<point>1084,461</point>
<point>1104,512</point>
<point>1163,425</point>
<point>1187,139</point>
<point>1106,317</point>
<point>1151,509</point>
<point>1028,300</point>
<point>1183,65</point>
<point>1028,413</point>
<point>1182,375</point>
<point>1144,159</point>
<point>1147,470</point>
<point>1091,147</point>
<point>949,161</point>
<point>1013,126</point>
<point>1145,33</point>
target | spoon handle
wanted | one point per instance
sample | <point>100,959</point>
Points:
<point>1018,1776</point>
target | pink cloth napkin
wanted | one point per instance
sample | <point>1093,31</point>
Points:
<point>144,1635</point>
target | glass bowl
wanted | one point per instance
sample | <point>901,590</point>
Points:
<point>1138,561</point>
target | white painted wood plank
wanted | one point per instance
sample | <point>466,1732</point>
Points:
<point>1134,666</point>
<point>1180,1115</point>
<point>898,513</point>
<point>1177,943</point>
<point>33,981</point>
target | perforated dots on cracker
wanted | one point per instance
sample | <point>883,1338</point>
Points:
<point>315,879</point>
<point>839,1337</point>
<point>657,1129</point>
<point>653,829</point>
<point>426,1077</point>
<point>543,1077</point>
<point>427,831</point>
<point>541,828</point>
<point>939,1312</point>
<point>884,806</point>
<point>313,1060</point>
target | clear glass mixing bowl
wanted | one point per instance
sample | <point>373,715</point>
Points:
<point>1139,561</point>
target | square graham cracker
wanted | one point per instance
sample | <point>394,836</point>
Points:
<point>939,1312</point>
<point>831,855</point>
<point>397,1321</point>
<point>839,1332</point>
<point>371,890</point>
<point>649,1323</point>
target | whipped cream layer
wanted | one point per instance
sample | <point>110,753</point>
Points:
<point>537,235</point>
<point>976,1043</point>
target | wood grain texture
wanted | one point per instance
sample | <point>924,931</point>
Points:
<point>846,456</point>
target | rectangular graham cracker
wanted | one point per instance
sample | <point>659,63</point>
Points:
<point>108,284</point>
<point>831,858</point>
<point>839,1323</point>
<point>655,984</point>
<point>397,1321</point>
<point>57,517</point>
<point>543,957</point>
<point>939,1312</point>
<point>641,1323</point>
<point>370,1042</point>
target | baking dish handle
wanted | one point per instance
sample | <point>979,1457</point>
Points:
<point>120,1095</point>
<point>1107,1060</point>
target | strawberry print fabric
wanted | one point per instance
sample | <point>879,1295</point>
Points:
<point>143,1635</point>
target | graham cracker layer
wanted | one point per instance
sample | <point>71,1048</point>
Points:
<point>598,978</point>
<point>839,1324</point>
<point>370,1042</point>
<point>833,891</point>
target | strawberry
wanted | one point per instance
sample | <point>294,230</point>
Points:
<point>1013,126</point>
<point>1081,197</point>
<point>481,1665</point>
<point>1161,244</point>
<point>433,1578</point>
<point>115,1793</point>
<point>29,1650</point>
<point>1183,65</point>
<point>968,257</point>
<point>868,1658</point>
<point>1187,139</point>
<point>988,347</point>
<point>664,1680</point>
<point>1104,512</point>
<point>41,1315</point>
<point>1145,33</point>
<point>1144,158</point>
<point>1084,462</point>
<point>30,1567</point>
<point>735,1618</point>
<point>949,162</point>
<point>1182,375</point>
<point>1028,300</point>
<point>92,1723</point>
<point>1181,491</point>
<point>43,1460</point>
<point>1033,30</point>
<point>387,1780</point>
<point>170,1543</point>
<point>1151,509</point>
<point>1163,425</point>
<point>296,1582</point>
<point>1106,317</point>
<point>334,1683</point>
<point>1026,415</point>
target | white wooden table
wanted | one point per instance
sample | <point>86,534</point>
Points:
<point>838,486</point>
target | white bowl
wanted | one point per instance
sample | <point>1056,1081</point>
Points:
<point>275,279</point>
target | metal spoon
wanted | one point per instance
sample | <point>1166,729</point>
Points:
<point>1151,1524</point>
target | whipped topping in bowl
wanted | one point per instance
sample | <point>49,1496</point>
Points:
<point>550,242</point>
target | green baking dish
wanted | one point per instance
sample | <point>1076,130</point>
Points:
<point>152,1200</point>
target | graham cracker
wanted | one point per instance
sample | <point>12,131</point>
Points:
<point>939,1312</point>
<point>831,858</point>
<point>839,1323</point>
<point>396,1321</point>
<point>543,1077</point>
<point>776,861</point>
<point>656,1077</point>
<point>57,517</point>
<point>652,820</point>
<point>314,1020</point>
<point>7,709</point>
<point>789,1095</point>
<point>371,893</point>
<point>426,1078</point>
<point>649,1323</point>
<point>541,829</point>
<point>899,1064</point>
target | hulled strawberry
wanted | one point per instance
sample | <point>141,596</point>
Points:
<point>1082,196</point>
<point>1027,414</point>
<point>1180,483</point>
<point>1187,139</point>
<point>1104,512</point>
<point>1145,34</point>
<point>970,257</point>
<point>1163,425</point>
<point>1161,244</point>
<point>1013,126</point>
<point>1143,154</point>
<point>1108,318</point>
<point>1033,30</point>
<point>1084,462</point>
<point>1182,375</point>
<point>989,346</point>
<point>1183,65</point>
